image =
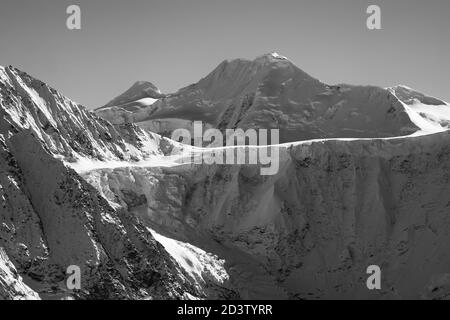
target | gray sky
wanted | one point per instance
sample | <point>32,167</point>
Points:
<point>173,43</point>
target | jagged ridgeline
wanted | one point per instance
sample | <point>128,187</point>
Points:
<point>51,218</point>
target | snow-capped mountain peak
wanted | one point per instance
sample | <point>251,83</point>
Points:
<point>273,55</point>
<point>139,90</point>
<point>278,56</point>
<point>271,92</point>
<point>272,58</point>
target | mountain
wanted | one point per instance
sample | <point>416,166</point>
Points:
<point>137,99</point>
<point>139,90</point>
<point>310,231</point>
<point>271,92</point>
<point>51,218</point>
<point>141,222</point>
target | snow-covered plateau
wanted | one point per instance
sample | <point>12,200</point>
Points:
<point>363,179</point>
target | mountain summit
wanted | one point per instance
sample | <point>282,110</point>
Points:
<point>271,92</point>
<point>139,91</point>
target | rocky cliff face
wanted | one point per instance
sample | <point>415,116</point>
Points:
<point>51,218</point>
<point>65,128</point>
<point>310,232</point>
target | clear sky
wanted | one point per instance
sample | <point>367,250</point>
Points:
<point>173,43</point>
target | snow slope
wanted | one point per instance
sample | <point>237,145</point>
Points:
<point>199,264</point>
<point>11,283</point>
<point>431,115</point>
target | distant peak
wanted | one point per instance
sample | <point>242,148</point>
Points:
<point>272,56</point>
<point>139,90</point>
<point>145,85</point>
<point>276,55</point>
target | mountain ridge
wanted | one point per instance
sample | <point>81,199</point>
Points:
<point>51,218</point>
<point>271,92</point>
